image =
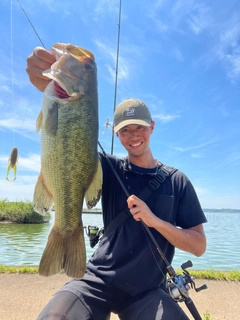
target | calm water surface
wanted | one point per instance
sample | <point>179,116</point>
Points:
<point>23,245</point>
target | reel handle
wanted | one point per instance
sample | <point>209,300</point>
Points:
<point>204,286</point>
<point>187,264</point>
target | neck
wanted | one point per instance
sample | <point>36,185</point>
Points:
<point>145,161</point>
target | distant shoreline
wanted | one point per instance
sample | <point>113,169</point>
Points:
<point>92,211</point>
<point>222,210</point>
<point>99,211</point>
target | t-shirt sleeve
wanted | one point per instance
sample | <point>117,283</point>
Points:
<point>189,212</point>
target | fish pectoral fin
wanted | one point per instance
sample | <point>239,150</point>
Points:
<point>39,122</point>
<point>93,193</point>
<point>64,251</point>
<point>42,198</point>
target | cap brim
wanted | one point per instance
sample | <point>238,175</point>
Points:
<point>124,123</point>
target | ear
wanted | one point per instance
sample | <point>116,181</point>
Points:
<point>117,134</point>
<point>152,126</point>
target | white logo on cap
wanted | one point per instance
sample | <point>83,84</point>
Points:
<point>130,112</point>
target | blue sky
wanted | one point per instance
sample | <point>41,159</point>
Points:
<point>181,57</point>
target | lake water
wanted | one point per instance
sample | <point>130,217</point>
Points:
<point>23,244</point>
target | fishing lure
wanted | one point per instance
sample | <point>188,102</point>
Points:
<point>12,163</point>
<point>107,124</point>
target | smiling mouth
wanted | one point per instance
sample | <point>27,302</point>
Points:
<point>135,144</point>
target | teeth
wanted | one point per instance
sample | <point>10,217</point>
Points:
<point>136,144</point>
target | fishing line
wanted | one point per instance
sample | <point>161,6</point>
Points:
<point>39,40</point>
<point>116,74</point>
<point>31,23</point>
<point>12,71</point>
<point>13,157</point>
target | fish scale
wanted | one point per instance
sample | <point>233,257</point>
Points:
<point>70,168</point>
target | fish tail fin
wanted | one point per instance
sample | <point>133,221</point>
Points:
<point>42,198</point>
<point>66,253</point>
<point>53,255</point>
<point>93,193</point>
<point>75,257</point>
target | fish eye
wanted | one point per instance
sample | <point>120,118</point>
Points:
<point>88,66</point>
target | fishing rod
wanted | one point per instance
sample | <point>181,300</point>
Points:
<point>177,285</point>
<point>116,74</point>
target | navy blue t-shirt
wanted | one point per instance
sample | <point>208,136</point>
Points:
<point>127,257</point>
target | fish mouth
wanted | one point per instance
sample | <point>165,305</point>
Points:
<point>69,70</point>
<point>60,92</point>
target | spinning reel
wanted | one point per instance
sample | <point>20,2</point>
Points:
<point>94,234</point>
<point>178,285</point>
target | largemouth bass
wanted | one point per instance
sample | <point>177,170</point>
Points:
<point>70,168</point>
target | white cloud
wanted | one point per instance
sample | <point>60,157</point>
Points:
<point>105,6</point>
<point>17,124</point>
<point>5,89</point>
<point>213,198</point>
<point>163,117</point>
<point>228,48</point>
<point>177,53</point>
<point>199,20</point>
<point>197,155</point>
<point>201,145</point>
<point>109,52</point>
<point>32,163</point>
<point>25,127</point>
<point>21,189</point>
<point>233,61</point>
<point>234,157</point>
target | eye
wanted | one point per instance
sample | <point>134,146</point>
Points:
<point>88,66</point>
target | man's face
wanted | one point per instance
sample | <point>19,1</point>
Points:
<point>135,138</point>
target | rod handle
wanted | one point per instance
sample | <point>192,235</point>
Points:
<point>192,308</point>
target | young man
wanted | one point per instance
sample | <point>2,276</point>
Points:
<point>126,274</point>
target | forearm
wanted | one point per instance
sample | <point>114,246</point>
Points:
<point>192,240</point>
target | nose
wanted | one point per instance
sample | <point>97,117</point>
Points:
<point>134,133</point>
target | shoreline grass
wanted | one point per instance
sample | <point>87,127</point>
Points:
<point>232,275</point>
<point>20,212</point>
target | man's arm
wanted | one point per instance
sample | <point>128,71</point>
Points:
<point>192,240</point>
<point>37,62</point>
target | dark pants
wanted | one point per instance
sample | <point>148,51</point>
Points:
<point>93,299</point>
